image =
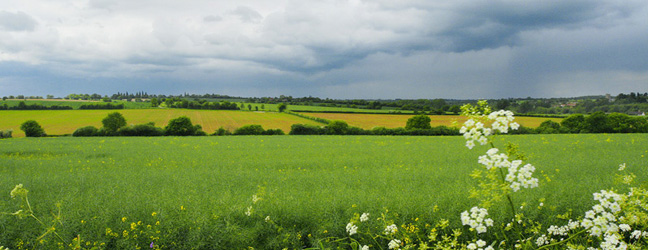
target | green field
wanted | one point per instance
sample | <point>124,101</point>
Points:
<point>75,104</point>
<point>58,122</point>
<point>193,191</point>
<point>369,121</point>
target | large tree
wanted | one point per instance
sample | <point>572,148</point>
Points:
<point>113,122</point>
<point>32,129</point>
<point>418,122</point>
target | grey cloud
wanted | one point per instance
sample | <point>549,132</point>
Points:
<point>17,21</point>
<point>212,18</point>
<point>247,14</point>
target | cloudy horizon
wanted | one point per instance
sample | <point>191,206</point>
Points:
<point>343,49</point>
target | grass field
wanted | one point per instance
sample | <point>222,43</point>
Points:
<point>369,121</point>
<point>58,122</point>
<point>192,192</point>
<point>75,104</point>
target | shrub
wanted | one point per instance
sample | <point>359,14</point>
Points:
<point>548,127</point>
<point>182,126</point>
<point>86,131</point>
<point>305,129</point>
<point>113,122</point>
<point>274,132</point>
<point>5,133</point>
<point>222,131</point>
<point>147,129</point>
<point>418,122</point>
<point>337,128</point>
<point>32,129</point>
<point>249,130</point>
<point>574,123</point>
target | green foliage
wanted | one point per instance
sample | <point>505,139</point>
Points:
<point>32,129</point>
<point>281,107</point>
<point>249,130</point>
<point>548,127</point>
<point>154,102</point>
<point>5,133</point>
<point>597,123</point>
<point>147,129</point>
<point>418,122</point>
<point>113,122</point>
<point>337,128</point>
<point>574,123</point>
<point>306,129</point>
<point>86,131</point>
<point>221,132</point>
<point>182,126</point>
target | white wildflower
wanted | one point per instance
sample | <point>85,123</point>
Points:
<point>391,229</point>
<point>248,212</point>
<point>365,247</point>
<point>351,229</point>
<point>364,217</point>
<point>267,218</point>
<point>394,244</point>
<point>622,167</point>
<point>476,219</point>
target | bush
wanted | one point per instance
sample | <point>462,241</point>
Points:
<point>86,131</point>
<point>274,132</point>
<point>548,127</point>
<point>418,122</point>
<point>305,129</point>
<point>5,133</point>
<point>147,129</point>
<point>32,129</point>
<point>337,128</point>
<point>113,122</point>
<point>249,130</point>
<point>182,126</point>
<point>221,132</point>
<point>574,123</point>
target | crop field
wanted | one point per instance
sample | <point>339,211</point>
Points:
<point>75,104</point>
<point>194,192</point>
<point>369,121</point>
<point>58,122</point>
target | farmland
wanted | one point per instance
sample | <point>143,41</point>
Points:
<point>57,122</point>
<point>193,192</point>
<point>369,121</point>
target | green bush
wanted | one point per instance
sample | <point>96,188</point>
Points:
<point>182,126</point>
<point>273,132</point>
<point>113,122</point>
<point>5,133</point>
<point>418,122</point>
<point>148,129</point>
<point>249,130</point>
<point>86,131</point>
<point>305,129</point>
<point>32,129</point>
<point>337,128</point>
<point>222,131</point>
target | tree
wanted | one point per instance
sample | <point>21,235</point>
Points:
<point>455,109</point>
<point>182,126</point>
<point>574,123</point>
<point>597,122</point>
<point>337,128</point>
<point>250,107</point>
<point>32,129</point>
<point>281,107</point>
<point>154,102</point>
<point>252,129</point>
<point>418,122</point>
<point>113,122</point>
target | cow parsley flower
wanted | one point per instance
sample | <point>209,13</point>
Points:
<point>476,219</point>
<point>391,229</point>
<point>365,247</point>
<point>364,217</point>
<point>394,244</point>
<point>351,229</point>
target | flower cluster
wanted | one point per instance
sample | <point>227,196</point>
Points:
<point>601,219</point>
<point>394,244</point>
<point>517,176</point>
<point>351,229</point>
<point>364,217</point>
<point>391,229</point>
<point>503,120</point>
<point>476,219</point>
<point>479,245</point>
<point>473,130</point>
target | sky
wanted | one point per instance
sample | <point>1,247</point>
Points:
<point>355,49</point>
